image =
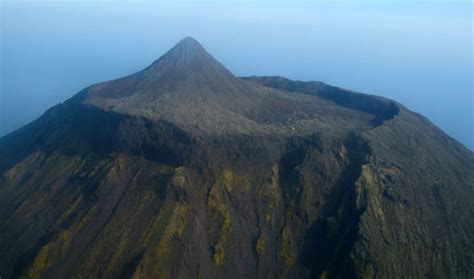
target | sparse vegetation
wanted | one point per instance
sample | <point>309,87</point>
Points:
<point>197,173</point>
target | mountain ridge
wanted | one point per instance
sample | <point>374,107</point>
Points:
<point>127,185</point>
<point>188,87</point>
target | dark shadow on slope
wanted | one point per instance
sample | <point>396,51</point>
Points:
<point>129,268</point>
<point>329,241</point>
<point>75,129</point>
<point>27,258</point>
<point>288,174</point>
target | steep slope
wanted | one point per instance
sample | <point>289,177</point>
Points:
<point>190,89</point>
<point>185,171</point>
<point>415,193</point>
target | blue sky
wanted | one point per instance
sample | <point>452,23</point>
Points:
<point>419,53</point>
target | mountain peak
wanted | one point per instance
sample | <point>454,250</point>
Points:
<point>189,88</point>
<point>188,48</point>
<point>186,67</point>
<point>185,54</point>
<point>181,161</point>
<point>189,43</point>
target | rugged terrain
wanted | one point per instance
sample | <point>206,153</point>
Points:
<point>183,170</point>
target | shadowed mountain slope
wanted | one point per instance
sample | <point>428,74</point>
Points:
<point>183,170</point>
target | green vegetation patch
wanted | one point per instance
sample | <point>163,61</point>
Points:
<point>286,251</point>
<point>271,194</point>
<point>219,208</point>
<point>260,246</point>
<point>50,254</point>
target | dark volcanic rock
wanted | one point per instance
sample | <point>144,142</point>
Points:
<point>185,171</point>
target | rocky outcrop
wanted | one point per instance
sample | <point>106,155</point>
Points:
<point>90,191</point>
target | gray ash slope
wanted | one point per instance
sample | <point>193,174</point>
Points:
<point>190,89</point>
<point>183,170</point>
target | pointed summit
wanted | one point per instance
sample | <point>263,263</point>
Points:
<point>187,51</point>
<point>189,43</point>
<point>192,90</point>
<point>185,67</point>
<point>189,55</point>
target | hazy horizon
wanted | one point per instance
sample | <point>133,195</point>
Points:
<point>419,54</point>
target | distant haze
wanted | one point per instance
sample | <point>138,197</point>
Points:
<point>416,52</point>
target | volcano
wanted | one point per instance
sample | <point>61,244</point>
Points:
<point>183,170</point>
